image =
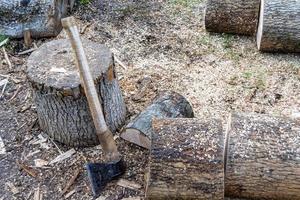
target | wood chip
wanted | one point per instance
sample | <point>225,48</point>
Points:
<point>3,83</point>
<point>38,195</point>
<point>27,169</point>
<point>70,194</point>
<point>6,58</point>
<point>71,181</point>
<point>129,184</point>
<point>2,147</point>
<point>40,162</point>
<point>12,188</point>
<point>63,156</point>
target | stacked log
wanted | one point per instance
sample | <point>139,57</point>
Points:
<point>232,16</point>
<point>263,158</point>
<point>61,104</point>
<point>279,26</point>
<point>186,160</point>
<point>167,104</point>
<point>42,18</point>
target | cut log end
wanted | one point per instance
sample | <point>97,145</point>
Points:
<point>136,137</point>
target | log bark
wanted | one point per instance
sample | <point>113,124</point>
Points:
<point>186,160</point>
<point>42,18</point>
<point>61,104</point>
<point>232,16</point>
<point>279,26</point>
<point>167,104</point>
<point>263,157</point>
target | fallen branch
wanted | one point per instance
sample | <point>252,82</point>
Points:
<point>71,181</point>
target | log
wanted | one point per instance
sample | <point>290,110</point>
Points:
<point>232,16</point>
<point>61,104</point>
<point>186,160</point>
<point>279,26</point>
<point>42,18</point>
<point>167,104</point>
<point>263,157</point>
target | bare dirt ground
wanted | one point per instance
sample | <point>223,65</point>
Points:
<point>161,40</point>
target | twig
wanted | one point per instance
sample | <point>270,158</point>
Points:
<point>16,93</point>
<point>27,38</point>
<point>84,28</point>
<point>6,58</point>
<point>27,169</point>
<point>58,149</point>
<point>120,63</point>
<point>4,42</point>
<point>71,181</point>
<point>27,51</point>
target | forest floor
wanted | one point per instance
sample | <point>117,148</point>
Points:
<point>161,40</point>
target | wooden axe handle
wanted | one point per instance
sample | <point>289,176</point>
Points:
<point>105,136</point>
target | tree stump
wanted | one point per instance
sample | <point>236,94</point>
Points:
<point>42,18</point>
<point>279,26</point>
<point>263,158</point>
<point>167,104</point>
<point>232,16</point>
<point>61,104</point>
<point>186,160</point>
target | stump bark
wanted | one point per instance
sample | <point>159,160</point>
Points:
<point>61,104</point>
<point>167,104</point>
<point>232,16</point>
<point>42,18</point>
<point>279,26</point>
<point>263,158</point>
<point>186,160</point>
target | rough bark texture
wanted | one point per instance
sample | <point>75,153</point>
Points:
<point>263,159</point>
<point>167,104</point>
<point>232,16</point>
<point>279,26</point>
<point>42,18</point>
<point>60,100</point>
<point>186,160</point>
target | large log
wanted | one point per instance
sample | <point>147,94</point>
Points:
<point>42,18</point>
<point>167,104</point>
<point>263,157</point>
<point>232,16</point>
<point>279,26</point>
<point>186,160</point>
<point>61,104</point>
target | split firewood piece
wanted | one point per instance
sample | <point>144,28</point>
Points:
<point>71,181</point>
<point>61,103</point>
<point>167,104</point>
<point>63,156</point>
<point>263,157</point>
<point>232,16</point>
<point>279,27</point>
<point>42,18</point>
<point>186,160</point>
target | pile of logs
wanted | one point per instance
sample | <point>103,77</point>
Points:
<point>257,158</point>
<point>276,23</point>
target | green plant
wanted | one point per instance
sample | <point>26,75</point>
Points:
<point>84,2</point>
<point>227,40</point>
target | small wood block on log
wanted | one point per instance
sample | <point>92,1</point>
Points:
<point>167,104</point>
<point>263,157</point>
<point>279,26</point>
<point>232,16</point>
<point>42,18</point>
<point>61,104</point>
<point>186,160</point>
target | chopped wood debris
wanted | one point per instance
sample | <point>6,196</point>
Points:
<point>63,156</point>
<point>41,140</point>
<point>4,42</point>
<point>38,195</point>
<point>70,194</point>
<point>2,147</point>
<point>3,83</point>
<point>27,169</point>
<point>40,163</point>
<point>71,181</point>
<point>12,188</point>
<point>6,58</point>
<point>129,184</point>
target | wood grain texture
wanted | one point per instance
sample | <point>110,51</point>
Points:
<point>167,104</point>
<point>279,26</point>
<point>42,18</point>
<point>263,159</point>
<point>60,100</point>
<point>232,16</point>
<point>186,160</point>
